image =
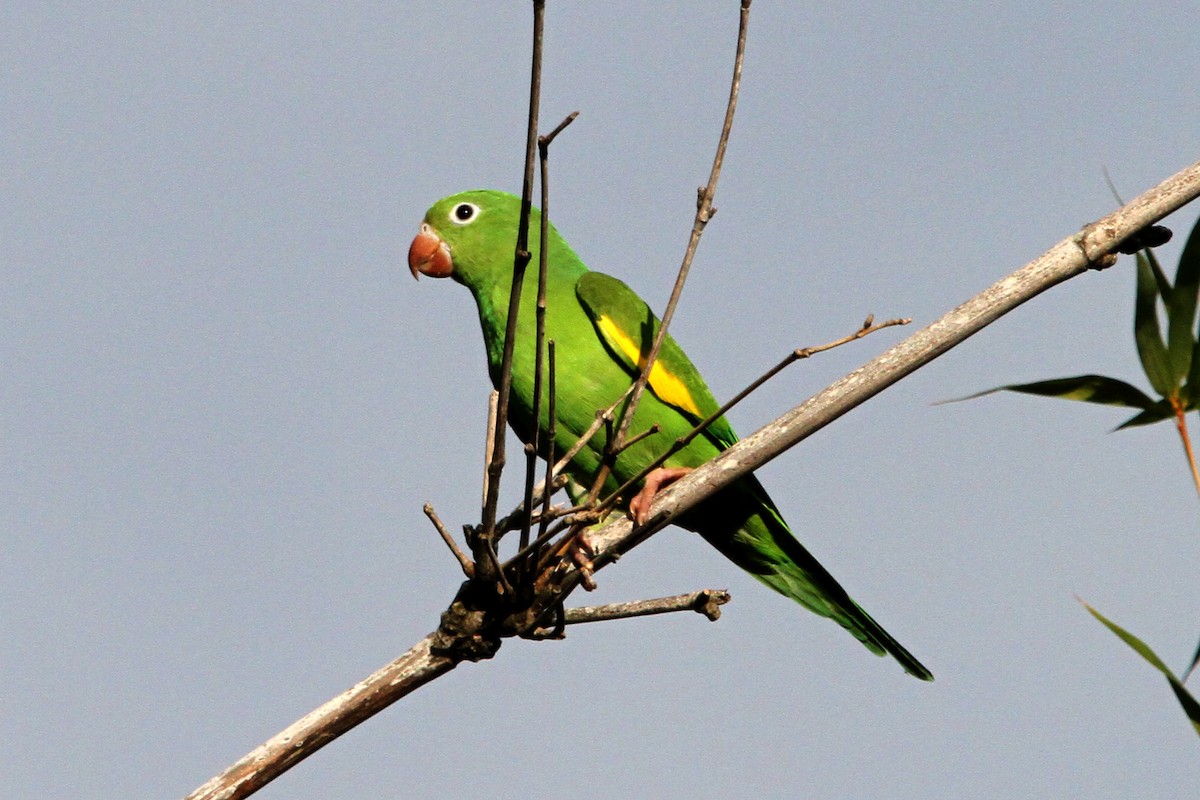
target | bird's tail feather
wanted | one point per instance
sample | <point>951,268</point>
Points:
<point>764,546</point>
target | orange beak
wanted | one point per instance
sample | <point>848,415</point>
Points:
<point>429,255</point>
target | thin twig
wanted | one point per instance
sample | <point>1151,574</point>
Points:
<point>632,440</point>
<point>545,140</point>
<point>536,445</point>
<point>705,601</point>
<point>551,433</point>
<point>704,212</point>
<point>489,445</point>
<point>1181,426</point>
<point>468,568</point>
<point>868,327</point>
<point>521,258</point>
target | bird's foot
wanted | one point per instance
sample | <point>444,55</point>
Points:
<point>639,506</point>
<point>580,553</point>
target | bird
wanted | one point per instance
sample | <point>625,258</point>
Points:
<point>602,332</point>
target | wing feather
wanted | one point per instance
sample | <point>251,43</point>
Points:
<point>627,327</point>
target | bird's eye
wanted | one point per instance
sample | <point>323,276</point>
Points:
<point>464,213</point>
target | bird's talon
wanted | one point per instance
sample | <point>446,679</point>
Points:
<point>580,553</point>
<point>639,506</point>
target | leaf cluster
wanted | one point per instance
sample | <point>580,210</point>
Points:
<point>1171,362</point>
<point>1170,359</point>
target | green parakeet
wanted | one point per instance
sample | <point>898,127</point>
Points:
<point>601,329</point>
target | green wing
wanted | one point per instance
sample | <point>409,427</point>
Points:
<point>627,327</point>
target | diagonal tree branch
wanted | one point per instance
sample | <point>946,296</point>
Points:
<point>1092,248</point>
<point>324,724</point>
<point>440,652</point>
<point>868,327</point>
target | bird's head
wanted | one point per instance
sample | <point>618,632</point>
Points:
<point>468,236</point>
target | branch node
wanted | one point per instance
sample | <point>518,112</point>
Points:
<point>545,140</point>
<point>1106,258</point>
<point>709,602</point>
<point>461,635</point>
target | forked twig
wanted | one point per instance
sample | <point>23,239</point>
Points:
<point>535,446</point>
<point>511,522</point>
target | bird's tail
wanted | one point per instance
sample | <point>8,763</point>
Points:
<point>764,546</point>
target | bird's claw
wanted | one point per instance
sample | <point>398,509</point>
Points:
<point>580,553</point>
<point>639,506</point>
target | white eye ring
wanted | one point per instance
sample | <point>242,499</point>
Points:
<point>464,213</point>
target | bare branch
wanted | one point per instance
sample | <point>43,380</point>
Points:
<point>426,661</point>
<point>630,441</point>
<point>544,141</point>
<point>868,327</point>
<point>324,724</point>
<point>704,212</point>
<point>705,601</point>
<point>468,568</point>
<point>520,261</point>
<point>536,445</point>
<point>551,433</point>
<point>489,445</point>
<point>1092,248</point>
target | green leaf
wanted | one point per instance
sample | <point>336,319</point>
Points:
<point>1151,349</point>
<point>1160,277</point>
<point>1192,666</point>
<point>1160,412</point>
<point>1191,390</point>
<point>1181,307</point>
<point>1086,388</point>
<point>1189,265</point>
<point>1190,706</point>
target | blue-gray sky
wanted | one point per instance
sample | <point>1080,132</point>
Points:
<point>223,401</point>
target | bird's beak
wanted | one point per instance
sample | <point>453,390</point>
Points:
<point>429,255</point>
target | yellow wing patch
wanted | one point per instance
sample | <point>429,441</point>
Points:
<point>668,387</point>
